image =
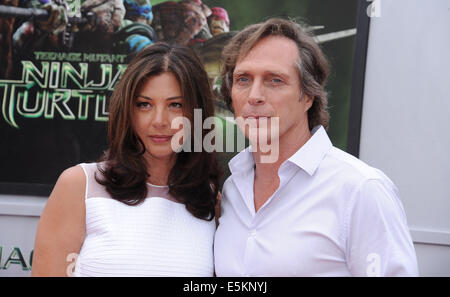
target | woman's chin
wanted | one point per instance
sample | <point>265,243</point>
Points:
<point>166,154</point>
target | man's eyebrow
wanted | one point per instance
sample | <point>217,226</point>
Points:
<point>239,73</point>
<point>277,73</point>
<point>170,98</point>
<point>268,72</point>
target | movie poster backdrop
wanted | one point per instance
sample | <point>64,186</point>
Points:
<point>60,61</point>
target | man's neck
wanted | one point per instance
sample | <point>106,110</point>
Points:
<point>288,146</point>
<point>266,180</point>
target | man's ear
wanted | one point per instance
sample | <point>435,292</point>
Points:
<point>308,101</point>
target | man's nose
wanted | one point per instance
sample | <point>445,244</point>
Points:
<point>257,96</point>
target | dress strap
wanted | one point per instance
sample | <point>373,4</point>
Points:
<point>93,188</point>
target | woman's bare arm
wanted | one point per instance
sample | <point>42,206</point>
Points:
<point>62,225</point>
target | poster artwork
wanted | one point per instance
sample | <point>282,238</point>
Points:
<point>60,61</point>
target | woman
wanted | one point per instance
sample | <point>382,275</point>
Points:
<point>147,208</point>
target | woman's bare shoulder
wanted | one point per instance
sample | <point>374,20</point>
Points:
<point>69,191</point>
<point>72,177</point>
<point>61,228</point>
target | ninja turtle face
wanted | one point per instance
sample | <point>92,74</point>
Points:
<point>108,15</point>
<point>218,21</point>
<point>139,11</point>
<point>217,25</point>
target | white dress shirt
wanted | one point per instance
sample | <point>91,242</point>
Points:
<point>332,215</point>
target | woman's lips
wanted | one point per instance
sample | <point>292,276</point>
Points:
<point>160,138</point>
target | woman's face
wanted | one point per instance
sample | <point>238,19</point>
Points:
<point>157,103</point>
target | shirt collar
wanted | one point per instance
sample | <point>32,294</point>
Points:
<point>243,161</point>
<point>308,157</point>
<point>311,154</point>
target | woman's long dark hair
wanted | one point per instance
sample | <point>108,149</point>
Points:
<point>194,179</point>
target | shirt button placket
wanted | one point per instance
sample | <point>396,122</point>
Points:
<point>249,251</point>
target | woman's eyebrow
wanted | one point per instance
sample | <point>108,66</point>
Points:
<point>170,98</point>
<point>145,97</point>
<point>175,98</point>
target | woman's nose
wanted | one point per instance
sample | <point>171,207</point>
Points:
<point>160,118</point>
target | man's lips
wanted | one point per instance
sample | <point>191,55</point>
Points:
<point>160,138</point>
<point>257,117</point>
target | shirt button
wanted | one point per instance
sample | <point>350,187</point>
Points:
<point>253,233</point>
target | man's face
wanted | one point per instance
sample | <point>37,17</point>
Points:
<point>266,84</point>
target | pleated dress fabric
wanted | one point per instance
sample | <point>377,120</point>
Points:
<point>156,238</point>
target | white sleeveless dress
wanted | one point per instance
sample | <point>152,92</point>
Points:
<point>156,238</point>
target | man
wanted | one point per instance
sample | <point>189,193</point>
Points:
<point>314,210</point>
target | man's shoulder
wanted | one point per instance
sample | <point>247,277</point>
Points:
<point>352,169</point>
<point>228,183</point>
<point>231,190</point>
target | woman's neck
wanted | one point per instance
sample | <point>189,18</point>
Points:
<point>159,170</point>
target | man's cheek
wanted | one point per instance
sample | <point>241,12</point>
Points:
<point>236,107</point>
<point>237,103</point>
